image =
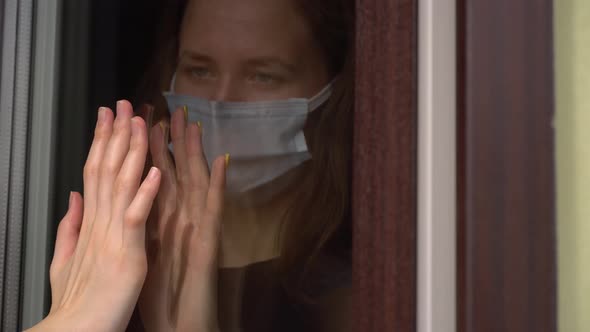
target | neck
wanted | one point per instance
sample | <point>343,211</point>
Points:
<point>251,229</point>
<point>252,221</point>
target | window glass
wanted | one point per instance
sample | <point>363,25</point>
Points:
<point>269,85</point>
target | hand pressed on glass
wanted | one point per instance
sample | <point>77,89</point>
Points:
<point>99,263</point>
<point>180,291</point>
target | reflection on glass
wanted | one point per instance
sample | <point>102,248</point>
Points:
<point>267,83</point>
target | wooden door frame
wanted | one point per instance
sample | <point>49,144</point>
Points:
<point>384,166</point>
<point>506,273</point>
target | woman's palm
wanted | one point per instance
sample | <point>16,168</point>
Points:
<point>180,291</point>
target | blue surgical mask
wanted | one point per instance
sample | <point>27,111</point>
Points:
<point>265,139</point>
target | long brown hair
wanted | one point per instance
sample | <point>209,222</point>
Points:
<point>319,220</point>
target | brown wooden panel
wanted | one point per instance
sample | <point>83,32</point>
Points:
<point>384,166</point>
<point>506,204</point>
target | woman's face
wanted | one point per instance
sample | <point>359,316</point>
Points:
<point>248,50</point>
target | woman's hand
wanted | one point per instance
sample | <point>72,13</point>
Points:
<point>180,292</point>
<point>99,264</point>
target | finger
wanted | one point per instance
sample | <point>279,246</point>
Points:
<point>92,172</point>
<point>197,164</point>
<point>67,234</point>
<point>117,149</point>
<point>138,211</point>
<point>217,183</point>
<point>166,204</point>
<point>127,181</point>
<point>102,135</point>
<point>178,134</point>
<point>166,199</point>
<point>152,245</point>
<point>146,112</point>
<point>211,224</point>
<point>205,241</point>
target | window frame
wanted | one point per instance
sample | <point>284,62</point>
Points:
<point>506,173</point>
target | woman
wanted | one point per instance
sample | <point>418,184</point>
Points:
<point>281,236</point>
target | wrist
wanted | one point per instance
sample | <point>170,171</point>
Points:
<point>45,325</point>
<point>60,322</point>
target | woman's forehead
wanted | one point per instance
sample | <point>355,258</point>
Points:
<point>245,26</point>
<point>243,8</point>
<point>275,17</point>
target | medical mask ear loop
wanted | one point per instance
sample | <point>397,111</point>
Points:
<point>321,97</point>
<point>314,103</point>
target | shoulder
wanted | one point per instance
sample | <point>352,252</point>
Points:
<point>330,286</point>
<point>328,274</point>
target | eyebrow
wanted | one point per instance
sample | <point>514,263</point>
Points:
<point>268,61</point>
<point>195,56</point>
<point>263,61</point>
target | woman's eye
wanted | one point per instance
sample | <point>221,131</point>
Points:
<point>264,78</point>
<point>199,72</point>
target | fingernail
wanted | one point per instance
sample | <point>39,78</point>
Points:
<point>134,127</point>
<point>149,115</point>
<point>164,127</point>
<point>199,124</point>
<point>193,129</point>
<point>185,110</point>
<point>149,120</point>
<point>153,174</point>
<point>71,198</point>
<point>119,102</point>
<point>101,114</point>
<point>226,160</point>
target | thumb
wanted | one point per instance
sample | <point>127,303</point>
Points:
<point>68,232</point>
